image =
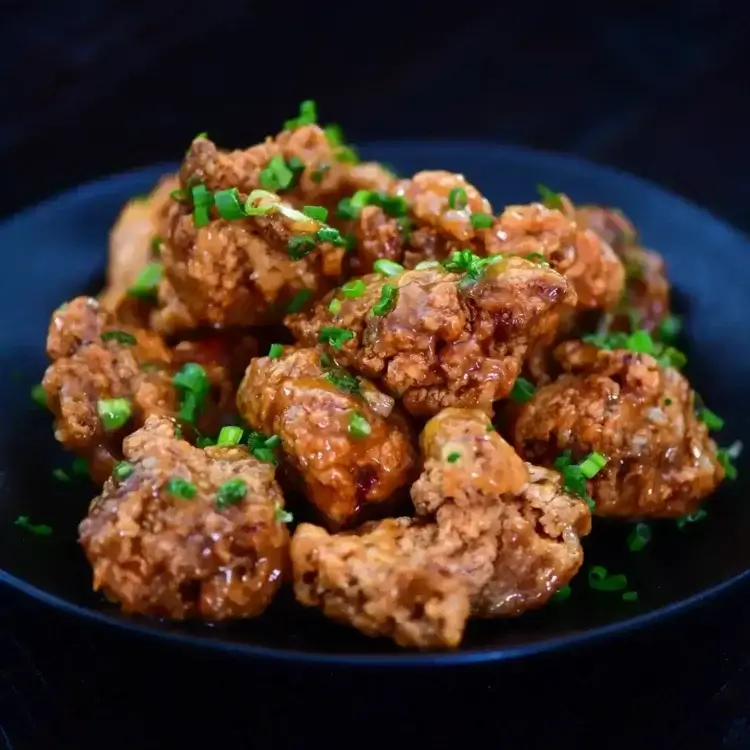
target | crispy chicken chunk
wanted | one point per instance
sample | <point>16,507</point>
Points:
<point>495,538</point>
<point>661,461</point>
<point>437,339</point>
<point>96,359</point>
<point>347,443</point>
<point>183,532</point>
<point>141,225</point>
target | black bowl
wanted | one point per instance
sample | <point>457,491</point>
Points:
<point>57,250</point>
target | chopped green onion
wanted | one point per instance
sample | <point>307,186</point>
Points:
<point>147,281</point>
<point>669,328</point>
<point>300,245</point>
<point>387,267</point>
<point>276,175</point>
<point>457,198</point>
<point>537,258</point>
<point>113,413</point>
<point>316,212</point>
<point>667,402</point>
<point>481,221</point>
<point>231,492</point>
<point>339,377</point>
<point>179,487</point>
<point>40,529</point>
<point>204,441</point>
<point>346,155</point>
<point>60,475</point>
<point>601,580</point>
<point>177,195</point>
<point>332,235</point>
<point>193,384</point>
<point>359,427</point>
<point>334,306</point>
<point>228,204</point>
<point>335,337</point>
<point>592,464</point>
<point>712,420</point>
<point>562,594</point>
<point>299,300</point>
<point>393,205</point>
<point>203,134</point>
<point>80,467</point>
<point>630,596</point>
<point>387,301</point>
<point>491,428</point>
<point>523,391</point>
<point>466,262</point>
<point>202,202</point>
<point>639,537</point>
<point>424,265</point>
<point>39,395</point>
<point>281,515</point>
<point>451,458</point>
<point>121,337</point>
<point>346,209</point>
<point>297,166</point>
<point>640,342</point>
<point>229,435</point>
<point>727,456</point>
<point>263,447</point>
<point>353,289</point>
<point>319,173</point>
<point>691,518</point>
<point>123,470</point>
<point>550,198</point>
<point>334,134</point>
<point>275,351</point>
<point>308,115</point>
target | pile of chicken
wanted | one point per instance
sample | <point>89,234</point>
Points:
<point>414,319</point>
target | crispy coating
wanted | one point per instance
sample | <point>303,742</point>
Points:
<point>448,340</point>
<point>661,461</point>
<point>160,554</point>
<point>474,551</point>
<point>141,222</point>
<point>86,368</point>
<point>344,474</point>
<point>577,252</point>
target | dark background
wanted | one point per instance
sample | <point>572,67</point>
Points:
<point>656,88</point>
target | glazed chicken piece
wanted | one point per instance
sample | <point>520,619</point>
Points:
<point>647,287</point>
<point>637,414</point>
<point>181,532</point>
<point>494,537</point>
<point>134,239</point>
<point>346,443</point>
<point>106,378</point>
<point>435,338</point>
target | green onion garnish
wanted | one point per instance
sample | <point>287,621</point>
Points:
<point>630,596</point>
<point>263,447</point>
<point>537,258</point>
<point>40,529</point>
<point>147,282</point>
<point>387,267</point>
<point>562,594</point>
<point>727,456</point>
<point>229,435</point>
<point>113,413</point>
<point>193,384</point>
<point>712,420</point>
<point>592,465</point>
<point>308,115</point>
<point>691,518</point>
<point>457,198</point>
<point>276,175</point>
<point>466,262</point>
<point>346,155</point>
<point>550,198</point>
<point>523,391</point>
<point>353,289</point>
<point>228,204</point>
<point>123,470</point>
<point>335,337</point>
<point>300,245</point>
<point>339,377</point>
<point>281,515</point>
<point>60,475</point>
<point>230,492</point>
<point>332,235</point>
<point>481,221</point>
<point>453,457</point>
<point>39,395</point>
<point>275,351</point>
<point>334,306</point>
<point>601,580</point>
<point>299,300</point>
<point>639,537</point>
<point>181,488</point>
<point>121,337</point>
<point>669,328</point>
<point>316,212</point>
<point>334,134</point>
<point>177,195</point>
<point>80,467</point>
<point>387,301</point>
<point>202,202</point>
<point>359,427</point>
<point>319,173</point>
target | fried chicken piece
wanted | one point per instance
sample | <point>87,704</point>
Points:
<point>661,461</point>
<point>496,538</point>
<point>347,443</point>
<point>446,339</point>
<point>577,252</point>
<point>187,533</point>
<point>95,358</point>
<point>140,225</point>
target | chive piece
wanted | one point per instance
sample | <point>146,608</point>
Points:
<point>229,435</point>
<point>726,458</point>
<point>537,258</point>
<point>667,402</point>
<point>121,337</point>
<point>230,492</point>
<point>691,518</point>
<point>193,384</point>
<point>387,301</point>
<point>592,465</point>
<point>481,221</point>
<point>334,306</point>
<point>550,198</point>
<point>300,245</point>
<point>339,377</point>
<point>113,413</point>
<point>202,202</point>
<point>712,420</point>
<point>181,488</point>
<point>205,441</point>
<point>39,395</point>
<point>394,205</point>
<point>471,265</point>
<point>630,596</point>
<point>669,328</point>
<point>639,537</point>
<point>40,529</point>
<point>281,515</point>
<point>359,427</point>
<point>202,134</point>
<point>299,301</point>
<point>316,212</point>
<point>228,204</point>
<point>123,470</point>
<point>319,173</point>
<point>346,210</point>
<point>353,289</point>
<point>601,580</point>
<point>523,391</point>
<point>457,198</point>
<point>334,135</point>
<point>562,594</point>
<point>387,267</point>
<point>346,155</point>
<point>60,475</point>
<point>332,235</point>
<point>147,282</point>
<point>453,457</point>
<point>335,337</point>
<point>276,175</point>
<point>308,115</point>
<point>177,195</point>
<point>491,427</point>
<point>275,351</point>
<point>297,166</point>
<point>263,447</point>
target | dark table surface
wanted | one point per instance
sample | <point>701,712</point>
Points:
<point>655,90</point>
